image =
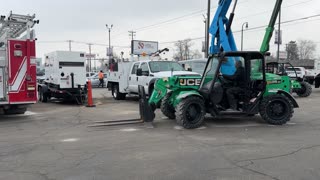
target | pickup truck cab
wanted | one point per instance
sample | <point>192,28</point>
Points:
<point>126,81</point>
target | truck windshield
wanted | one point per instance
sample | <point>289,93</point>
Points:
<point>158,66</point>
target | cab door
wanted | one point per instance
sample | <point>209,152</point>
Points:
<point>133,78</point>
<point>145,78</point>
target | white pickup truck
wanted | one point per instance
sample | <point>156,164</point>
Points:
<point>125,81</point>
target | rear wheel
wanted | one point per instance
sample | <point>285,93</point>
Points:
<point>190,112</point>
<point>305,90</point>
<point>166,108</point>
<point>116,93</point>
<point>12,111</point>
<point>276,109</point>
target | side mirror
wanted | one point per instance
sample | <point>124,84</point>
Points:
<point>190,69</point>
<point>139,72</point>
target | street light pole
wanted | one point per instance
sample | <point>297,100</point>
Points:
<point>247,25</point>
<point>109,49</point>
<point>279,36</point>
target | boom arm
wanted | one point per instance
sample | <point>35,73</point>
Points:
<point>269,31</point>
<point>222,37</point>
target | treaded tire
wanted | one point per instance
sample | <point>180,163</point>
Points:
<point>305,90</point>
<point>276,109</point>
<point>166,108</point>
<point>116,94</point>
<point>190,112</point>
<point>15,111</point>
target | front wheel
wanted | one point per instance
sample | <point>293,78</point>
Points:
<point>166,108</point>
<point>190,112</point>
<point>276,109</point>
<point>305,90</point>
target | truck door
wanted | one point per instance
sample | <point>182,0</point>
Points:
<point>145,78</point>
<point>133,78</point>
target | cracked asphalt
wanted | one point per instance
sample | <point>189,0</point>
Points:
<point>55,141</point>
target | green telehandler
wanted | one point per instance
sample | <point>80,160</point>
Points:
<point>188,99</point>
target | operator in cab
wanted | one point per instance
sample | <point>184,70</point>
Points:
<point>238,80</point>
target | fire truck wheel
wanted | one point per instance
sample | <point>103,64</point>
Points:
<point>12,111</point>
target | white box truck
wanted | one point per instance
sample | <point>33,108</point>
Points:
<point>65,77</point>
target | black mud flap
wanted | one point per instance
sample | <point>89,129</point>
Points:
<point>146,110</point>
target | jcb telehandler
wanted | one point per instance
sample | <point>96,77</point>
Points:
<point>189,99</point>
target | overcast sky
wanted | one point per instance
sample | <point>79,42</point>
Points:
<point>84,21</point>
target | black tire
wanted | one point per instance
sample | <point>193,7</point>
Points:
<point>166,108</point>
<point>13,111</point>
<point>305,90</point>
<point>190,112</point>
<point>116,94</point>
<point>40,94</point>
<point>276,109</point>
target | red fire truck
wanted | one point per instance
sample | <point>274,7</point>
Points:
<point>17,63</point>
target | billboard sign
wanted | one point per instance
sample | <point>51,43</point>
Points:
<point>144,47</point>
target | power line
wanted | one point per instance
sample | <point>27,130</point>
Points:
<point>82,42</point>
<point>180,18</point>
<point>254,28</point>
<point>173,20</point>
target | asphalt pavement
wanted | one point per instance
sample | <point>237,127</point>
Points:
<point>56,141</point>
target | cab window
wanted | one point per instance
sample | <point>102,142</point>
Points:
<point>134,69</point>
<point>144,67</point>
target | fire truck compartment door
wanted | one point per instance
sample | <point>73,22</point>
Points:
<point>1,83</point>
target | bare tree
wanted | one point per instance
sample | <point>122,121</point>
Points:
<point>292,50</point>
<point>196,54</point>
<point>180,50</point>
<point>183,48</point>
<point>306,49</point>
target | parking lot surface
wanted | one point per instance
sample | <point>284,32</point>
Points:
<point>56,141</point>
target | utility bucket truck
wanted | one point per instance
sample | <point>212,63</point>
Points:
<point>17,63</point>
<point>65,77</point>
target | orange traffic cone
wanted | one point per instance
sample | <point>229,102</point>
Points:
<point>90,101</point>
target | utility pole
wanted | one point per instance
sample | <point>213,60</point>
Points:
<point>279,36</point>
<point>89,57</point>
<point>132,34</point>
<point>69,41</point>
<point>207,29</point>
<point>205,48</point>
<point>109,51</point>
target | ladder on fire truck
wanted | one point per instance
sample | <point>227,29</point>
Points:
<point>15,25</point>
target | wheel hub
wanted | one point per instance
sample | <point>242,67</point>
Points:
<point>193,112</point>
<point>277,108</point>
